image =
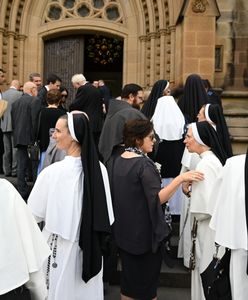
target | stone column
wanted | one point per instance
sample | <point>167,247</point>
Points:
<point>21,39</point>
<point>163,55</point>
<point>1,43</point>
<point>152,36</point>
<point>142,72</point>
<point>172,54</point>
<point>10,54</point>
<point>198,31</point>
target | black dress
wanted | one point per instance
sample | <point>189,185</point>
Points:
<point>139,226</point>
<point>48,119</point>
<point>169,155</point>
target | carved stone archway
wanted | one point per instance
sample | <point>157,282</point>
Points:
<point>148,34</point>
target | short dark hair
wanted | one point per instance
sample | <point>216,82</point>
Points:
<point>130,88</point>
<point>53,78</point>
<point>136,130</point>
<point>32,75</point>
<point>53,97</point>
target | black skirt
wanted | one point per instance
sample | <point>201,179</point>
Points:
<point>20,293</point>
<point>140,274</point>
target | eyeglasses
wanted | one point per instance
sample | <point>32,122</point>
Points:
<point>152,137</point>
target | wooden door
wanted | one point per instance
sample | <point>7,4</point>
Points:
<point>64,56</point>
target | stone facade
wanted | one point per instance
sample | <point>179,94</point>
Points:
<point>161,39</point>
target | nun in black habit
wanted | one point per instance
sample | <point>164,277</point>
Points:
<point>158,90</point>
<point>202,139</point>
<point>194,96</point>
<point>73,199</point>
<point>214,115</point>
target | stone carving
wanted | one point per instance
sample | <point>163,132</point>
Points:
<point>199,6</point>
<point>109,10</point>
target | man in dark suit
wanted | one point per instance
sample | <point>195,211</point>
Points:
<point>9,157</point>
<point>88,99</point>
<point>23,133</point>
<point>53,82</point>
<point>106,94</point>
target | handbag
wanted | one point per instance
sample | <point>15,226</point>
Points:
<point>216,279</point>
<point>192,260</point>
<point>34,152</point>
<point>165,244</point>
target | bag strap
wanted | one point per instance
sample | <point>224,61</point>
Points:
<point>37,131</point>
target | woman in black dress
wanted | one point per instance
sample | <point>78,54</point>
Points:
<point>47,120</point>
<point>139,226</point>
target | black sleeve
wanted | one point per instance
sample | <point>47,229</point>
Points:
<point>151,184</point>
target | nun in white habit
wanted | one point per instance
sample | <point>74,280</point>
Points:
<point>189,162</point>
<point>23,248</point>
<point>169,124</point>
<point>230,220</point>
<point>202,139</point>
<point>73,198</point>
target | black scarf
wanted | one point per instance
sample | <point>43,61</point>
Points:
<point>194,97</point>
<point>210,138</point>
<point>216,115</point>
<point>156,92</point>
<point>95,224</point>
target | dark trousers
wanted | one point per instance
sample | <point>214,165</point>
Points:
<point>9,157</point>
<point>23,164</point>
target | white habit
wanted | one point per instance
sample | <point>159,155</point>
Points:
<point>169,122</point>
<point>56,198</point>
<point>229,222</point>
<point>201,209</point>
<point>23,248</point>
<point>189,162</point>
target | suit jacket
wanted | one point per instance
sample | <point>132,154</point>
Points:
<point>42,95</point>
<point>89,100</point>
<point>11,95</point>
<point>112,133</point>
<point>22,121</point>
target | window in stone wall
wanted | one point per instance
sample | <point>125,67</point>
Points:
<point>112,13</point>
<point>98,3</point>
<point>83,10</point>
<point>109,10</point>
<point>69,3</point>
<point>54,12</point>
<point>218,58</point>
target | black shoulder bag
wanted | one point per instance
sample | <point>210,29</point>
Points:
<point>34,150</point>
<point>216,279</point>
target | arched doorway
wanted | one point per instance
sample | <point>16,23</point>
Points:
<point>96,56</point>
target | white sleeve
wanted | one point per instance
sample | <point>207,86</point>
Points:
<point>37,285</point>
<point>37,200</point>
<point>108,194</point>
